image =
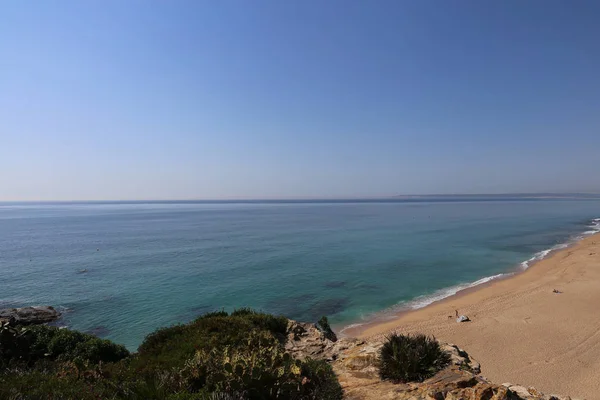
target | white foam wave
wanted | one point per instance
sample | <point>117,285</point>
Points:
<point>425,300</point>
<point>595,225</point>
<point>594,228</point>
<point>540,255</point>
<point>349,327</point>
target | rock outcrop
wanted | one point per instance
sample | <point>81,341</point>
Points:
<point>30,315</point>
<point>306,340</point>
<point>355,363</point>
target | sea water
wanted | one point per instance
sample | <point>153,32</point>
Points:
<point>121,270</point>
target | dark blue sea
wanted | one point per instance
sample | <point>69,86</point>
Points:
<point>121,270</point>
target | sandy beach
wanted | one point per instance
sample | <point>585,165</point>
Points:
<point>520,330</point>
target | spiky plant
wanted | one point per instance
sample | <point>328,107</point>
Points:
<point>407,358</point>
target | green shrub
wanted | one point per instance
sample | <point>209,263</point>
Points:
<point>219,356</point>
<point>69,380</point>
<point>62,342</point>
<point>323,381</point>
<point>13,343</point>
<point>33,343</point>
<point>259,369</point>
<point>205,396</point>
<point>35,384</point>
<point>97,350</point>
<point>171,347</point>
<point>277,325</point>
<point>155,340</point>
<point>240,312</point>
<point>406,358</point>
<point>68,345</point>
<point>221,313</point>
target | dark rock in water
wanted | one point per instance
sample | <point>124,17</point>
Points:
<point>367,286</point>
<point>307,307</point>
<point>30,315</point>
<point>100,331</point>
<point>328,307</point>
<point>296,306</point>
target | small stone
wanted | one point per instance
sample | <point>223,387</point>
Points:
<point>533,391</point>
<point>521,391</point>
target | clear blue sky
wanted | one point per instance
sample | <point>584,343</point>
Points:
<point>287,99</point>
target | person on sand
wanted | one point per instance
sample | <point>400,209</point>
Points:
<point>461,318</point>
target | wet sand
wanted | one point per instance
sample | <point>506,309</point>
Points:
<point>520,330</point>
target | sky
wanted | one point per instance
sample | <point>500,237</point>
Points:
<point>116,100</point>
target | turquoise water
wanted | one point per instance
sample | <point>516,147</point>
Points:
<point>155,264</point>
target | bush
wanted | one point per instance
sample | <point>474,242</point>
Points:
<point>21,385</point>
<point>219,356</point>
<point>31,344</point>
<point>172,347</point>
<point>277,325</point>
<point>406,358</point>
<point>259,369</point>
<point>97,350</point>
<point>13,343</point>
<point>323,381</point>
<point>68,345</point>
<point>221,313</point>
<point>205,396</point>
<point>155,340</point>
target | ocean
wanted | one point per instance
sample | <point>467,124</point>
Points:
<point>122,270</point>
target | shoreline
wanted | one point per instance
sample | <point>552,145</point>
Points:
<point>361,330</point>
<point>520,330</point>
<point>356,329</point>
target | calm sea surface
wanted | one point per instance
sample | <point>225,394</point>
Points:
<point>121,270</point>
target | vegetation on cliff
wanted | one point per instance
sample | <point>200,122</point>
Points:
<point>406,358</point>
<point>25,346</point>
<point>219,355</point>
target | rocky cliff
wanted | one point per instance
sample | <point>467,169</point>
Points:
<point>29,315</point>
<point>355,363</point>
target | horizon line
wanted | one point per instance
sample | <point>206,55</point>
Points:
<point>335,198</point>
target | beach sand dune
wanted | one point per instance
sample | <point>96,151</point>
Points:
<point>520,330</point>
